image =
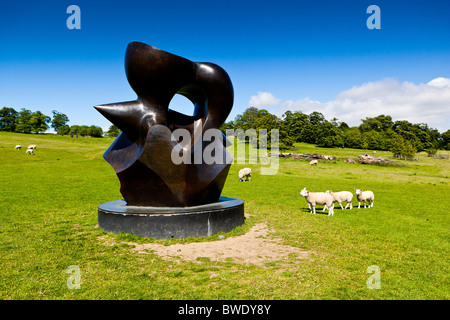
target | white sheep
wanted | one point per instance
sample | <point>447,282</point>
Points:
<point>30,151</point>
<point>18,147</point>
<point>313,162</point>
<point>32,146</point>
<point>364,196</point>
<point>342,196</point>
<point>245,173</point>
<point>320,198</point>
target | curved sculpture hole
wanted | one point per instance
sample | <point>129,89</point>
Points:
<point>181,104</point>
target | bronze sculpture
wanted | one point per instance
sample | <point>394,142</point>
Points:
<point>141,154</point>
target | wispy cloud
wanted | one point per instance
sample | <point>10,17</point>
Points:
<point>417,103</point>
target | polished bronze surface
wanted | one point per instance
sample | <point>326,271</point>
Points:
<point>141,154</point>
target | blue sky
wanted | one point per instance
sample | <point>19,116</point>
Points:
<point>280,55</point>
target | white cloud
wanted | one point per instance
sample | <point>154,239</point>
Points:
<point>439,82</point>
<point>263,100</point>
<point>417,103</point>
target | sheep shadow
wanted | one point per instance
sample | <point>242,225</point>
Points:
<point>319,210</point>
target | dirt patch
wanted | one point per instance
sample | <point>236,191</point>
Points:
<point>254,247</point>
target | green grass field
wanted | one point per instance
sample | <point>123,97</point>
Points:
<point>48,222</point>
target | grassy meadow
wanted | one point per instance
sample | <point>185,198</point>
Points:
<point>48,222</point>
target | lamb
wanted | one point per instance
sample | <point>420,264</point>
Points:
<point>320,198</point>
<point>341,197</point>
<point>32,146</point>
<point>245,173</point>
<point>364,196</point>
<point>30,151</point>
<point>313,162</point>
<point>18,147</point>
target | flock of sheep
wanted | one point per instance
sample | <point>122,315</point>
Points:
<point>30,149</point>
<point>327,198</point>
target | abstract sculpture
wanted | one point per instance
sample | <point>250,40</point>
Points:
<point>141,154</point>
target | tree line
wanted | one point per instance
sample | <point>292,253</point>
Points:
<point>25,121</point>
<point>401,137</point>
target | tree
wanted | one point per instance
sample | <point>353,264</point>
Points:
<point>401,147</point>
<point>75,129</point>
<point>39,122</point>
<point>59,120</point>
<point>293,122</point>
<point>445,140</point>
<point>351,138</point>
<point>428,138</point>
<point>308,133</point>
<point>397,143</point>
<point>316,118</point>
<point>408,150</point>
<point>8,119</point>
<point>63,130</point>
<point>95,131</point>
<point>343,126</point>
<point>374,140</point>
<point>271,122</point>
<point>252,120</point>
<point>83,130</point>
<point>402,125</point>
<point>311,130</point>
<point>379,123</point>
<point>247,120</point>
<point>329,135</point>
<point>23,121</point>
<point>113,131</point>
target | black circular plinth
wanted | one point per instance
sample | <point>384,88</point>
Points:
<point>172,222</point>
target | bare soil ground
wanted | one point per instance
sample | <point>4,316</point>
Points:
<point>254,247</point>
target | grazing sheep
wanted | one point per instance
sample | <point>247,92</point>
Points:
<point>18,147</point>
<point>341,197</point>
<point>30,151</point>
<point>364,196</point>
<point>313,162</point>
<point>320,198</point>
<point>245,173</point>
<point>32,146</point>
